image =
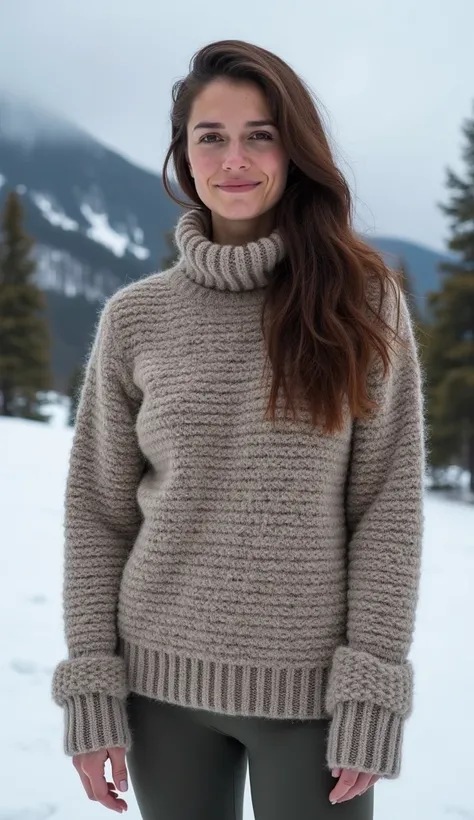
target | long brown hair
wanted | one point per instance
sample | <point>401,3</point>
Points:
<point>320,334</point>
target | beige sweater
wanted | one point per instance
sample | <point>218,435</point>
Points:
<point>217,562</point>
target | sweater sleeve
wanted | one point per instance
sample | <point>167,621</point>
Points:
<point>370,685</point>
<point>102,519</point>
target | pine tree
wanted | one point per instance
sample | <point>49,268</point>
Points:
<point>74,392</point>
<point>418,316</point>
<point>406,282</point>
<point>24,334</point>
<point>450,368</point>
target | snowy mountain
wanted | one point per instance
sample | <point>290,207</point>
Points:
<point>39,782</point>
<point>98,220</point>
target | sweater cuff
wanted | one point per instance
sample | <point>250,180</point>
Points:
<point>93,722</point>
<point>92,691</point>
<point>365,737</point>
<point>369,700</point>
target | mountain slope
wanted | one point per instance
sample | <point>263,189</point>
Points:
<point>422,262</point>
<point>82,200</point>
<point>98,221</point>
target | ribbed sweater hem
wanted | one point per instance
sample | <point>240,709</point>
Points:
<point>287,692</point>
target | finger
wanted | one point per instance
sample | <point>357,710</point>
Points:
<point>119,768</point>
<point>112,789</point>
<point>359,786</point>
<point>118,801</point>
<point>87,784</point>
<point>336,772</point>
<point>373,780</point>
<point>346,780</point>
<point>100,789</point>
<point>111,801</point>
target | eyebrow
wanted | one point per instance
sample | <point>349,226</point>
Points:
<point>250,124</point>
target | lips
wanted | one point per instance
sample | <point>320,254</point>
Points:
<point>238,187</point>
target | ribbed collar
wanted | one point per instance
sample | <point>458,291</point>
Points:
<point>225,267</point>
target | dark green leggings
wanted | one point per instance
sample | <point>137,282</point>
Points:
<point>191,764</point>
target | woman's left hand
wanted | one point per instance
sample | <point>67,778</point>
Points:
<point>351,783</point>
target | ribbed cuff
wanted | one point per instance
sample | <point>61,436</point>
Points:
<point>92,690</point>
<point>94,722</point>
<point>365,737</point>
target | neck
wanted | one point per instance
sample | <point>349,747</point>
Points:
<point>241,231</point>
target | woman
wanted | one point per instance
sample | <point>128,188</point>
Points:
<point>240,580</point>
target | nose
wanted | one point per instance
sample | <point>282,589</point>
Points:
<point>236,158</point>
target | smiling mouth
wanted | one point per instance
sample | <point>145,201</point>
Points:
<point>238,188</point>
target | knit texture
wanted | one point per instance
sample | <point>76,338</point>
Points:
<point>218,561</point>
<point>226,267</point>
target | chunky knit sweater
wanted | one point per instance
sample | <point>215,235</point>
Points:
<point>220,562</point>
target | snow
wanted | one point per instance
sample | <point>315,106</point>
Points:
<point>137,247</point>
<point>101,231</point>
<point>39,781</point>
<point>138,251</point>
<point>52,214</point>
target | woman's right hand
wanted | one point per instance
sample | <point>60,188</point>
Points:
<point>90,767</point>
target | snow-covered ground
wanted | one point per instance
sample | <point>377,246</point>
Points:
<point>39,782</point>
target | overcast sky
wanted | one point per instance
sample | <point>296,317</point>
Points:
<point>395,79</point>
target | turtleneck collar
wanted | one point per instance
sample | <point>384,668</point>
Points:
<point>225,267</point>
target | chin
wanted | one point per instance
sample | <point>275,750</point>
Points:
<point>238,210</point>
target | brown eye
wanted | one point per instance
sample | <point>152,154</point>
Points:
<point>261,135</point>
<point>209,138</point>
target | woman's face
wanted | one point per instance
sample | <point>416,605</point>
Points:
<point>235,152</point>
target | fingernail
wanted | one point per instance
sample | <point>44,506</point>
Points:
<point>123,786</point>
